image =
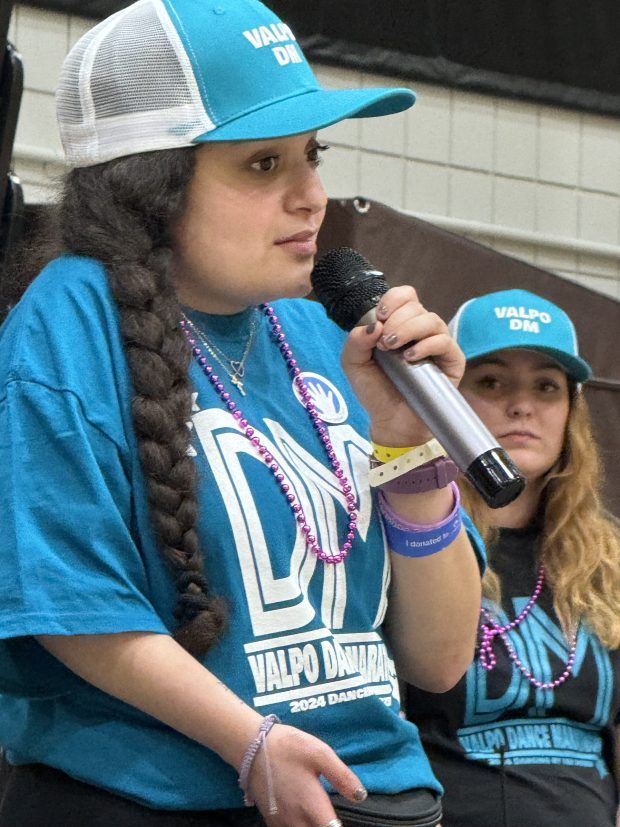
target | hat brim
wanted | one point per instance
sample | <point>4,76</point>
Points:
<point>577,368</point>
<point>309,111</point>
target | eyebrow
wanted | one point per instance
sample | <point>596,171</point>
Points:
<point>271,145</point>
<point>495,360</point>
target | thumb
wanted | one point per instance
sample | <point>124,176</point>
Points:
<point>359,344</point>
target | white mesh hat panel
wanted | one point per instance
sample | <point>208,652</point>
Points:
<point>128,87</point>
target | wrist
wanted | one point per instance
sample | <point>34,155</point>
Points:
<point>388,436</point>
<point>241,732</point>
<point>258,743</point>
<point>423,507</point>
<point>411,470</point>
<point>410,538</point>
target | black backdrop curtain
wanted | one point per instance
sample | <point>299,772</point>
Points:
<point>562,52</point>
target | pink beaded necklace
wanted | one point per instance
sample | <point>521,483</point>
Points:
<point>490,630</point>
<point>248,431</point>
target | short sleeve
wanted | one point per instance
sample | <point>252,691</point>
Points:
<point>69,560</point>
<point>476,540</point>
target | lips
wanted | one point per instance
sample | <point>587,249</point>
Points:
<point>302,237</point>
<point>518,435</point>
<point>300,245</point>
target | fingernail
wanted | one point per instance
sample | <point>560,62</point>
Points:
<point>370,328</point>
<point>382,310</point>
<point>361,794</point>
<point>390,340</point>
<point>410,353</point>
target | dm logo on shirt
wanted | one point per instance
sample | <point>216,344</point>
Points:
<point>517,724</point>
<point>328,400</point>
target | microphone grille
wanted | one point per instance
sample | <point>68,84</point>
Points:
<point>347,285</point>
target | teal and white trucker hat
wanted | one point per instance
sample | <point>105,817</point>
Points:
<point>171,73</point>
<point>518,319</point>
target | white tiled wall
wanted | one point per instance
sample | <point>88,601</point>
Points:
<point>534,181</point>
<point>43,39</point>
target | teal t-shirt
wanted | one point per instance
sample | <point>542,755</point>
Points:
<point>78,556</point>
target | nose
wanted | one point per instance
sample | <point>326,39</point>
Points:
<point>306,192</point>
<point>519,404</point>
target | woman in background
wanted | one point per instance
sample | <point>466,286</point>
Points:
<point>529,735</point>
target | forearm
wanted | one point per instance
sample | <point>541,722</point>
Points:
<point>156,675</point>
<point>434,600</point>
<point>153,673</point>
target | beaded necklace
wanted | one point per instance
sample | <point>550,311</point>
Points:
<point>490,629</point>
<point>249,432</point>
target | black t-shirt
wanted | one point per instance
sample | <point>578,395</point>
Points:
<point>511,755</point>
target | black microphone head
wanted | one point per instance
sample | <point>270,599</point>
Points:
<point>347,285</point>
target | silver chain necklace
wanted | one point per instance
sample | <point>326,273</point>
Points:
<point>235,368</point>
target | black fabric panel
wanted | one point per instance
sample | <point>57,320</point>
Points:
<point>562,52</point>
<point>97,9</point>
<point>446,269</point>
<point>411,68</point>
<point>557,41</point>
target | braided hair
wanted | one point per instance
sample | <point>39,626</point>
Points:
<point>121,212</point>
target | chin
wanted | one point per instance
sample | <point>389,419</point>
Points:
<point>298,292</point>
<point>302,289</point>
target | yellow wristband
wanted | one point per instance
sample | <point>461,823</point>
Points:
<point>385,454</point>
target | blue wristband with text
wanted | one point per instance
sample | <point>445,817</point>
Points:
<point>413,540</point>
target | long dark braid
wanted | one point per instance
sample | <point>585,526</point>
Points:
<point>121,213</point>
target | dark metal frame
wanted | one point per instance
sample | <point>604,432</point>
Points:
<point>11,89</point>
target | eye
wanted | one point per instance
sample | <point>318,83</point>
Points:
<point>314,154</point>
<point>266,164</point>
<point>548,386</point>
<point>488,382</point>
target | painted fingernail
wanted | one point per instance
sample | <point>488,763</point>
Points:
<point>410,353</point>
<point>361,794</point>
<point>382,311</point>
<point>370,328</point>
<point>390,340</point>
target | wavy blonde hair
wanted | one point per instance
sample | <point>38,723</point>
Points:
<point>580,546</point>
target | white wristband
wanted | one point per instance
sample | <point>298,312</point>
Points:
<point>406,462</point>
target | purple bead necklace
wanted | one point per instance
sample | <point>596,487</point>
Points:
<point>490,630</point>
<point>249,432</point>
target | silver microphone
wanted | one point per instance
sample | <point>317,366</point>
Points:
<point>350,288</point>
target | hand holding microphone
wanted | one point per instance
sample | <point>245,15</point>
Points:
<point>350,289</point>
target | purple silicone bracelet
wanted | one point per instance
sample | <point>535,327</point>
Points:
<point>389,513</point>
<point>419,540</point>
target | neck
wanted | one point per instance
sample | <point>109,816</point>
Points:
<point>520,512</point>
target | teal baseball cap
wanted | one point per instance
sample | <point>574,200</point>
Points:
<point>518,319</point>
<point>161,74</point>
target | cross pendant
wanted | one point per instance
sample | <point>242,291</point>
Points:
<point>238,384</point>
